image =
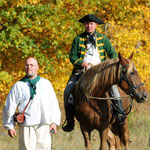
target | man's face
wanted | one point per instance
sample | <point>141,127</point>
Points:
<point>31,68</point>
<point>90,27</point>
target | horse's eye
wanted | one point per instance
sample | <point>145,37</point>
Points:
<point>132,73</point>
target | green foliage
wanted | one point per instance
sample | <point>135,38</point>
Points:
<point>5,77</point>
<point>45,30</point>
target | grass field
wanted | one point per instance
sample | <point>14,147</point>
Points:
<point>139,125</point>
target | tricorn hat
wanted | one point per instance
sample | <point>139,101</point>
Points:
<point>91,18</point>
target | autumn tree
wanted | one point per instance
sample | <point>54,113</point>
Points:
<point>44,29</point>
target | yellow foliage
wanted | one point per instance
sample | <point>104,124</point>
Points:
<point>126,34</point>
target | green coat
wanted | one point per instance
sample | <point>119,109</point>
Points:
<point>79,48</point>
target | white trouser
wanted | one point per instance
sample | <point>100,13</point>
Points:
<point>34,137</point>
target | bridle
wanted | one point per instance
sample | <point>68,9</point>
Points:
<point>123,77</point>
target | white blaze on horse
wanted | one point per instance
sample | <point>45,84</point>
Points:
<point>93,113</point>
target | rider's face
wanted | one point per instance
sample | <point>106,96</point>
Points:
<point>90,27</point>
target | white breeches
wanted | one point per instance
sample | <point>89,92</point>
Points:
<point>34,137</point>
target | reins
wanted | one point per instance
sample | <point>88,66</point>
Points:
<point>111,98</point>
<point>115,98</point>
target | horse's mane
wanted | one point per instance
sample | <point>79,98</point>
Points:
<point>97,75</point>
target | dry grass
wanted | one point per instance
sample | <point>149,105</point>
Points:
<point>139,125</point>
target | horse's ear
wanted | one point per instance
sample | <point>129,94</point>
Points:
<point>122,60</point>
<point>131,56</point>
<point>119,55</point>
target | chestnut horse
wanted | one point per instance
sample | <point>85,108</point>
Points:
<point>93,84</point>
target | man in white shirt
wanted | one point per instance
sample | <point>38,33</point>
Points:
<point>42,114</point>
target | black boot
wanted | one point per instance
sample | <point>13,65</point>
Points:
<point>119,112</point>
<point>68,125</point>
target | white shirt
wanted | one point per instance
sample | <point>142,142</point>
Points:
<point>92,55</point>
<point>44,107</point>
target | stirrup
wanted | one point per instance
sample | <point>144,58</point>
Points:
<point>121,118</point>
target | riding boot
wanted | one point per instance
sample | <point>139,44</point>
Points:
<point>120,113</point>
<point>68,125</point>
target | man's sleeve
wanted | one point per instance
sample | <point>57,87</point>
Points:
<point>9,109</point>
<point>75,60</point>
<point>111,52</point>
<point>56,115</point>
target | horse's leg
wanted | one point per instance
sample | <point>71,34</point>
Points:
<point>111,140</point>
<point>103,138</point>
<point>121,135</point>
<point>125,135</point>
<point>87,137</point>
<point>115,129</point>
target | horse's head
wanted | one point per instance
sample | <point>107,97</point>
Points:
<point>130,81</point>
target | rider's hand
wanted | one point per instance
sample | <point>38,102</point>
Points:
<point>85,65</point>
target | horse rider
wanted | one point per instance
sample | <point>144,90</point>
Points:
<point>88,48</point>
